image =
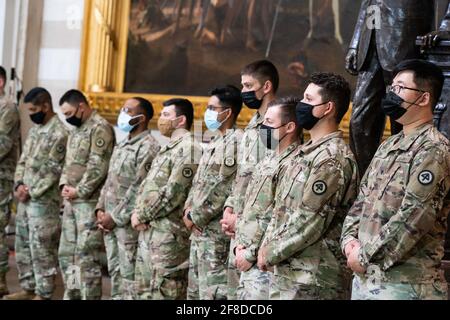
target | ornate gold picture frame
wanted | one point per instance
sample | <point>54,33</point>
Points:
<point>104,51</point>
<point>103,64</point>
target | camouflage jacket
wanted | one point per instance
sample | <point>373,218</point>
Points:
<point>260,196</point>
<point>213,181</point>
<point>311,202</point>
<point>89,150</point>
<point>40,165</point>
<point>9,139</point>
<point>162,195</point>
<point>129,165</point>
<point>251,152</point>
<point>399,217</point>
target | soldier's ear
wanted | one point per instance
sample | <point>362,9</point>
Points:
<point>331,108</point>
<point>268,86</point>
<point>425,100</point>
<point>291,127</point>
<point>47,107</point>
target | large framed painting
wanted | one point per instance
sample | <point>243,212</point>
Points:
<point>160,49</point>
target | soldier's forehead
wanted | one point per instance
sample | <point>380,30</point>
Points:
<point>403,77</point>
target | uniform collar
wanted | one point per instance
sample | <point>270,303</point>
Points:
<point>46,128</point>
<point>89,120</point>
<point>288,151</point>
<point>177,141</point>
<point>256,121</point>
<point>311,146</point>
<point>404,142</point>
<point>136,138</point>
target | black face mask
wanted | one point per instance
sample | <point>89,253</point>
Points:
<point>305,117</point>
<point>266,136</point>
<point>74,120</point>
<point>392,106</point>
<point>251,100</point>
<point>38,117</point>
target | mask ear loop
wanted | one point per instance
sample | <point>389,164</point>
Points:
<point>414,103</point>
<point>318,105</point>
<point>137,124</point>
<point>226,119</point>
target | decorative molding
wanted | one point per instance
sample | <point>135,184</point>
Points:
<point>103,62</point>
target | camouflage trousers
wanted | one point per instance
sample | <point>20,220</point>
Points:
<point>162,265</point>
<point>4,251</point>
<point>38,228</point>
<point>5,214</point>
<point>79,252</point>
<point>233,273</point>
<point>208,268</point>
<point>121,247</point>
<point>254,285</point>
<point>363,289</point>
<point>284,288</point>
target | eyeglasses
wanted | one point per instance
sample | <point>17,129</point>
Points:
<point>214,108</point>
<point>397,89</point>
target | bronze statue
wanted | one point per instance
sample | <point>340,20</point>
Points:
<point>385,34</point>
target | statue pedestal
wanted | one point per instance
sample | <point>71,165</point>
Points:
<point>440,55</point>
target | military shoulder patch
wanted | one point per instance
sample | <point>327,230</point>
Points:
<point>148,166</point>
<point>188,173</point>
<point>100,143</point>
<point>60,148</point>
<point>320,187</point>
<point>230,162</point>
<point>426,177</point>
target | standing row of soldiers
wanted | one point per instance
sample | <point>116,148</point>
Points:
<point>256,214</point>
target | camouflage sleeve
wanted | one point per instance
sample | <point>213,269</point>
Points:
<point>50,172</point>
<point>261,223</point>
<point>230,202</point>
<point>9,120</point>
<point>122,213</point>
<point>101,200</point>
<point>312,214</point>
<point>102,144</point>
<point>350,228</point>
<point>174,193</point>
<point>190,199</point>
<point>423,201</point>
<point>214,193</point>
<point>20,168</point>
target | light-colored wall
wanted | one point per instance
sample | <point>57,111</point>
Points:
<point>60,49</point>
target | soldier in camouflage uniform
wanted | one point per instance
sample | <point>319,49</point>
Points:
<point>162,261</point>
<point>210,189</point>
<point>280,120</point>
<point>9,150</point>
<point>260,81</point>
<point>89,150</point>
<point>394,233</point>
<point>312,200</point>
<point>38,224</point>
<point>130,163</point>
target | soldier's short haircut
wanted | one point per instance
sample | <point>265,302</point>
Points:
<point>334,88</point>
<point>146,106</point>
<point>229,96</point>
<point>38,97</point>
<point>287,107</point>
<point>428,76</point>
<point>3,74</point>
<point>74,98</point>
<point>263,70</point>
<point>183,107</point>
